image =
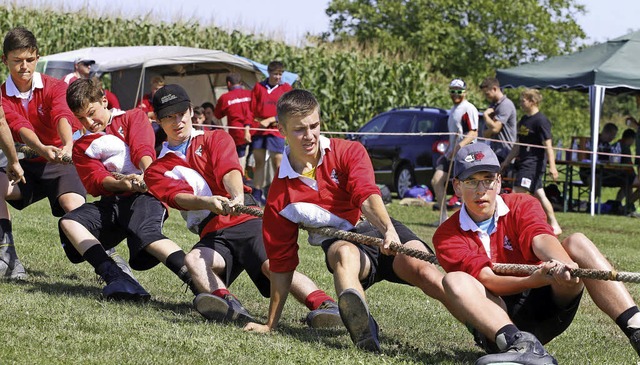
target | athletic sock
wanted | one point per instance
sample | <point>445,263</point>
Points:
<point>316,298</point>
<point>629,320</point>
<point>221,292</point>
<point>504,336</point>
<point>96,255</point>
<point>175,262</point>
<point>6,235</point>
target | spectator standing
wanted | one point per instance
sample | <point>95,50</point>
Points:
<point>209,116</point>
<point>146,103</point>
<point>499,118</point>
<point>198,117</point>
<point>463,121</point>
<point>510,316</point>
<point>264,98</point>
<point>236,106</point>
<point>81,70</point>
<point>531,162</point>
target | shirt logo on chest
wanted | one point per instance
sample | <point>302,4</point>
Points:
<point>121,131</point>
<point>40,110</point>
<point>334,176</point>
<point>507,244</point>
<point>199,151</point>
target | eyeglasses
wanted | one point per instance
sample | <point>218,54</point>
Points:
<point>488,184</point>
<point>459,92</point>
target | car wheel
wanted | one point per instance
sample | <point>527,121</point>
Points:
<point>404,180</point>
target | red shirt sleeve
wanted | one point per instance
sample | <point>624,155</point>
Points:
<point>140,136</point>
<point>280,234</point>
<point>163,188</point>
<point>91,171</point>
<point>56,91</point>
<point>361,179</point>
<point>219,111</point>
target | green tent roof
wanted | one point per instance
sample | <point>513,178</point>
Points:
<point>612,65</point>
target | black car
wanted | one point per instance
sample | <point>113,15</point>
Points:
<point>401,162</point>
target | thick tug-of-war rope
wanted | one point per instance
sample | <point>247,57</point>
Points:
<point>28,152</point>
<point>504,269</point>
<point>119,176</point>
<point>613,275</point>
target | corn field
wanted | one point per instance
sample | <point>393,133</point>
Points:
<point>351,85</point>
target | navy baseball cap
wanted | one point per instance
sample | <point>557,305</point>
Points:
<point>472,158</point>
<point>170,99</point>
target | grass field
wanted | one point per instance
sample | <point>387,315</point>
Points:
<point>56,316</point>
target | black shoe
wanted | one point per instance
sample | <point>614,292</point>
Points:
<point>10,265</point>
<point>237,313</point>
<point>326,316</point>
<point>227,309</point>
<point>355,315</point>
<point>211,307</point>
<point>525,350</point>
<point>120,286</point>
<point>635,340</point>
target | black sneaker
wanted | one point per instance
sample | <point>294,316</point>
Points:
<point>120,286</point>
<point>525,350</point>
<point>355,315</point>
<point>227,309</point>
<point>326,316</point>
<point>237,313</point>
<point>121,262</point>
<point>211,307</point>
<point>10,265</point>
<point>635,340</point>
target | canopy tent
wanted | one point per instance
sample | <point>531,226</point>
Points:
<point>201,72</point>
<point>288,77</point>
<point>609,67</point>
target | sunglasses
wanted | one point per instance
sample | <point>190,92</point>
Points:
<point>459,92</point>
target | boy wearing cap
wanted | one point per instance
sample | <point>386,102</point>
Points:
<point>120,142</point>
<point>463,121</point>
<point>81,70</point>
<point>512,316</point>
<point>330,182</point>
<point>38,116</point>
<point>198,172</point>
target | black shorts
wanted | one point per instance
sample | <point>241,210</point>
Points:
<point>47,180</point>
<point>442,164</point>
<point>242,248</point>
<point>528,178</point>
<point>381,265</point>
<point>535,312</point>
<point>138,218</point>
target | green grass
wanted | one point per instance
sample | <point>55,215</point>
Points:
<point>56,316</point>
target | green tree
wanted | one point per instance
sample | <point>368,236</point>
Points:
<point>460,37</point>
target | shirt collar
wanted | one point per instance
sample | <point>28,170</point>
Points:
<point>165,144</point>
<point>36,83</point>
<point>285,166</point>
<point>467,224</point>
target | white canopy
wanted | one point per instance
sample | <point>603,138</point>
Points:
<point>199,71</point>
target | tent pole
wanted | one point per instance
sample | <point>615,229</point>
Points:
<point>596,99</point>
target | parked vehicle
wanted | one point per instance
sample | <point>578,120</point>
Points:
<point>401,161</point>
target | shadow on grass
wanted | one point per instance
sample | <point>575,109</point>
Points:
<point>337,338</point>
<point>94,290</point>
